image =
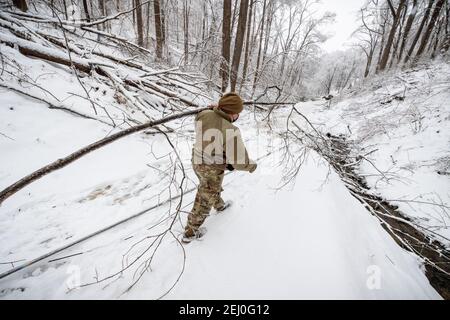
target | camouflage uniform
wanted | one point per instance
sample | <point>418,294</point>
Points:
<point>208,195</point>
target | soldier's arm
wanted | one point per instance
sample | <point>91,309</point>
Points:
<point>236,153</point>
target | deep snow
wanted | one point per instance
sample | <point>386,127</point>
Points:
<point>308,240</point>
<point>402,120</point>
<point>311,241</point>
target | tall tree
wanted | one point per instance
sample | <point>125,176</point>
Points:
<point>234,15</point>
<point>163,23</point>
<point>102,9</point>
<point>430,27</point>
<point>270,15</point>
<point>396,20</point>
<point>139,25</point>
<point>409,23</point>
<point>385,17</point>
<point>434,44</point>
<point>86,11</point>
<point>239,42</point>
<point>21,4</point>
<point>186,31</point>
<point>419,31</point>
<point>247,43</point>
<point>370,43</point>
<point>258,58</point>
<point>158,28</point>
<point>399,37</point>
<point>226,44</point>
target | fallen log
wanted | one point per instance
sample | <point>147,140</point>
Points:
<point>61,163</point>
<point>36,50</point>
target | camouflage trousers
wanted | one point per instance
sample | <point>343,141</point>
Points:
<point>208,196</point>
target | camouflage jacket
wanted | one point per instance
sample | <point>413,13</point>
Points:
<point>218,142</point>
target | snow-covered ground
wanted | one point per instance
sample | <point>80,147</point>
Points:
<point>310,241</point>
<point>401,121</point>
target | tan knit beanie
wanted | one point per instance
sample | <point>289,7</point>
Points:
<point>231,103</point>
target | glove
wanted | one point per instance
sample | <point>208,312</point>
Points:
<point>253,167</point>
<point>230,167</point>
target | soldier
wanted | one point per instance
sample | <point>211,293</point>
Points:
<point>218,147</point>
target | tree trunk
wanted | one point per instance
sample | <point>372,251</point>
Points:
<point>419,31</point>
<point>383,40</point>
<point>239,42</point>
<point>101,8</point>
<point>388,47</point>
<point>226,44</point>
<point>158,29</point>
<point>234,15</point>
<point>369,61</point>
<point>147,25</point>
<point>399,37</point>
<point>204,18</point>
<point>408,26</point>
<point>140,31</point>
<point>271,12</point>
<point>21,4</point>
<point>86,11</point>
<point>247,44</point>
<point>163,23</point>
<point>434,46</point>
<point>65,10</point>
<point>429,30</point>
<point>258,59</point>
<point>186,31</point>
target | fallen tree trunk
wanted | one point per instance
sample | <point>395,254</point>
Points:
<point>61,163</point>
<point>32,49</point>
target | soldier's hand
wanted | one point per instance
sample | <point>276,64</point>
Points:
<point>230,167</point>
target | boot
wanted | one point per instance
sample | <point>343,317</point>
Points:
<point>191,235</point>
<point>225,206</point>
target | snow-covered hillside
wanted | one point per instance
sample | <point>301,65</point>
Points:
<point>310,238</point>
<point>312,241</point>
<point>401,122</point>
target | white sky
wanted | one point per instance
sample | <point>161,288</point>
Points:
<point>346,21</point>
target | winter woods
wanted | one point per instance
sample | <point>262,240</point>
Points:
<point>249,46</point>
<point>398,33</point>
<point>97,125</point>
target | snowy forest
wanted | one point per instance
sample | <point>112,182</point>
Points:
<point>98,105</point>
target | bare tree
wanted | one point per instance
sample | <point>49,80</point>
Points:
<point>158,29</point>
<point>385,17</point>
<point>419,31</point>
<point>409,23</point>
<point>86,10</point>
<point>21,4</point>
<point>258,59</point>
<point>186,30</point>
<point>397,42</point>
<point>139,25</point>
<point>396,20</point>
<point>247,43</point>
<point>431,24</point>
<point>369,42</point>
<point>226,44</point>
<point>239,41</point>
